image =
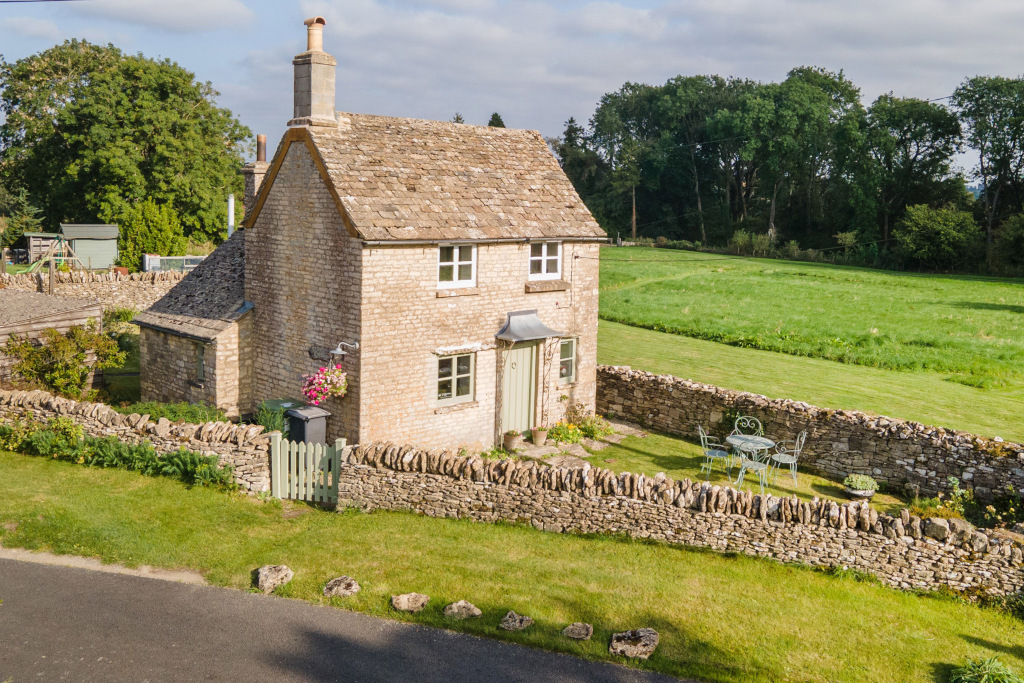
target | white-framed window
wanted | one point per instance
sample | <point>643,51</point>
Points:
<point>567,361</point>
<point>545,260</point>
<point>455,378</point>
<point>456,265</point>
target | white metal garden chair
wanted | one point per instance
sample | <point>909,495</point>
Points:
<point>755,461</point>
<point>788,453</point>
<point>713,450</point>
<point>748,425</point>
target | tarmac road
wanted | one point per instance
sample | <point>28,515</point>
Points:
<point>68,624</point>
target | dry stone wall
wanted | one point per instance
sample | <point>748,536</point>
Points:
<point>904,550</point>
<point>244,447</point>
<point>135,290</point>
<point>839,443</point>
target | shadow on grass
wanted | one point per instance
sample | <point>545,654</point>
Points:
<point>984,306</point>
<point>1012,650</point>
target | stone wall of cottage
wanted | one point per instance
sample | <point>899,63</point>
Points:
<point>408,323</point>
<point>172,368</point>
<point>303,278</point>
<point>135,290</point>
<point>903,550</point>
<point>244,447</point>
<point>839,443</point>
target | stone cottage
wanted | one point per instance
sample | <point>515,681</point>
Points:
<point>454,265</point>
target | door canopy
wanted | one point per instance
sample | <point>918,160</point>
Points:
<point>523,326</point>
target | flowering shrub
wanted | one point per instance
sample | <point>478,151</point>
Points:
<point>324,383</point>
<point>591,426</point>
<point>565,432</point>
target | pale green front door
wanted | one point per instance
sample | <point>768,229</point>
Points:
<point>519,387</point>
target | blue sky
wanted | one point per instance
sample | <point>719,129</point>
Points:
<point>536,62</point>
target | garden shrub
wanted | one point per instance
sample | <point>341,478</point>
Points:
<point>791,250</point>
<point>565,432</point>
<point>60,362</point>
<point>989,670</point>
<point>590,425</point>
<point>741,243</point>
<point>270,418</point>
<point>195,413</point>
<point>147,228</point>
<point>112,316</point>
<point>761,245</point>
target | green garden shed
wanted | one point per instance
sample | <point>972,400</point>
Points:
<point>94,245</point>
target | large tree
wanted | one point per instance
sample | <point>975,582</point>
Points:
<point>91,133</point>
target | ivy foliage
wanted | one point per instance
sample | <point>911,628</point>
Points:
<point>61,362</point>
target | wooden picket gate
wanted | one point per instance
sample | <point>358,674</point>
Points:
<point>305,471</point>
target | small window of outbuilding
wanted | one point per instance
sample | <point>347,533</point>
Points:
<point>455,379</point>
<point>456,265</point>
<point>567,361</point>
<point>545,260</point>
<point>200,362</point>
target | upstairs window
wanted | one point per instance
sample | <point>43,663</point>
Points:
<point>567,361</point>
<point>455,379</point>
<point>545,260</point>
<point>456,265</point>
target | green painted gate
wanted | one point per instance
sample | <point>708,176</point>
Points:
<point>305,471</point>
<point>519,387</point>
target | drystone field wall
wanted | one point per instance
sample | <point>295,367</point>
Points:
<point>135,290</point>
<point>244,447</point>
<point>839,443</point>
<point>904,550</point>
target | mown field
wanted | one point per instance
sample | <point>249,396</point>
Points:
<point>721,618</point>
<point>945,350</point>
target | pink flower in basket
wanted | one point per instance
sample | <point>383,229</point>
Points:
<point>324,383</point>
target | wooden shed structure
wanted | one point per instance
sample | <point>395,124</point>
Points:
<point>94,245</point>
<point>38,243</point>
<point>25,313</point>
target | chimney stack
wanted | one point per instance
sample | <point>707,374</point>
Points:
<point>254,173</point>
<point>314,80</point>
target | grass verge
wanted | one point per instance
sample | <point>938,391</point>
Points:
<point>721,618</point>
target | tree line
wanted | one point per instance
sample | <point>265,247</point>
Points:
<point>91,134</point>
<point>803,165</point>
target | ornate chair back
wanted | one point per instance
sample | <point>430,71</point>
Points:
<point>748,425</point>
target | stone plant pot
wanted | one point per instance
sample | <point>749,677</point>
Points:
<point>512,442</point>
<point>538,436</point>
<point>860,493</point>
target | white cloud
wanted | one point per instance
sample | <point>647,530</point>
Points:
<point>179,16</point>
<point>31,28</point>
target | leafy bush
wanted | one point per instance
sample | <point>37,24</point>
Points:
<point>761,245</point>
<point>272,419</point>
<point>1006,509</point>
<point>112,316</point>
<point>741,243</point>
<point>989,670</point>
<point>196,413</point>
<point>791,250</point>
<point>60,362</point>
<point>590,425</point>
<point>1010,242</point>
<point>938,239</point>
<point>565,432</point>
<point>860,482</point>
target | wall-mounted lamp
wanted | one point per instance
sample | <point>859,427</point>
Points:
<point>338,351</point>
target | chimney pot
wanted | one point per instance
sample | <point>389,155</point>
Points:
<point>315,34</point>
<point>261,148</point>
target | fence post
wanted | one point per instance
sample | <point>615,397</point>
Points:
<point>339,447</point>
<point>275,464</point>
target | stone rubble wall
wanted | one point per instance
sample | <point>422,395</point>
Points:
<point>893,451</point>
<point>904,551</point>
<point>135,290</point>
<point>244,447</point>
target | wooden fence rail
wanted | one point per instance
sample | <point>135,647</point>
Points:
<point>305,471</point>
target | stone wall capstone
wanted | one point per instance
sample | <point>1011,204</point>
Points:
<point>134,290</point>
<point>839,442</point>
<point>244,447</point>
<point>903,550</point>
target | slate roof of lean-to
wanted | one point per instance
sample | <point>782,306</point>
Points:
<point>208,299</point>
<point>413,179</point>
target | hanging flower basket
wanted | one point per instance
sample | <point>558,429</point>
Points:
<point>324,383</point>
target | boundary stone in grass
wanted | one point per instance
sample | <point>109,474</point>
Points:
<point>341,587</point>
<point>578,631</point>
<point>409,602</point>
<point>463,609</point>
<point>270,576</point>
<point>639,643</point>
<point>515,622</point>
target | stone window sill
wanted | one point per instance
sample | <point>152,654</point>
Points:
<point>458,291</point>
<point>535,286</point>
<point>465,405</point>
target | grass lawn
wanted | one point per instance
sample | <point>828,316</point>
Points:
<point>968,330</point>
<point>721,618</point>
<point>681,459</point>
<point>14,269</point>
<point>921,396</point>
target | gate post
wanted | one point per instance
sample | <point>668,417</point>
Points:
<point>275,465</point>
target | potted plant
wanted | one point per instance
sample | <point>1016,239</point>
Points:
<point>860,486</point>
<point>329,381</point>
<point>512,440</point>
<point>539,435</point>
